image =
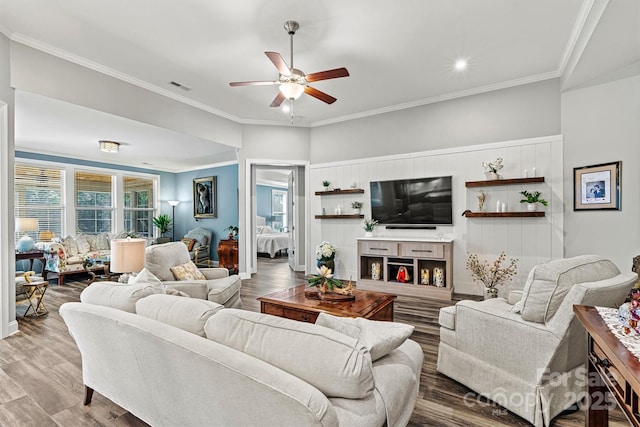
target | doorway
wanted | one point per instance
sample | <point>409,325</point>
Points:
<point>277,214</point>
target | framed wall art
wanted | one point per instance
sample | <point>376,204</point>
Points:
<point>597,187</point>
<point>204,197</point>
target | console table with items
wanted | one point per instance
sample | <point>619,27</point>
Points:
<point>414,267</point>
<point>31,256</point>
<point>612,371</point>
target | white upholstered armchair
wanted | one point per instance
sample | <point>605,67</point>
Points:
<point>530,357</point>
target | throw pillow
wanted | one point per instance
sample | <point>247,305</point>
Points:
<point>379,337</point>
<point>334,363</point>
<point>187,271</point>
<point>146,277</point>
<point>189,243</point>
<point>70,246</point>
<point>83,244</point>
<point>102,242</point>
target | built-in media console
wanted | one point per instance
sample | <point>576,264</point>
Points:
<point>415,267</point>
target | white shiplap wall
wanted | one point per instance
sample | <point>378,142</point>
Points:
<point>531,240</point>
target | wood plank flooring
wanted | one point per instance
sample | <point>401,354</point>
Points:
<point>41,372</point>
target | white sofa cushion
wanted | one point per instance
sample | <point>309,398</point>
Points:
<point>188,314</point>
<point>116,295</point>
<point>334,363</point>
<point>548,283</point>
<point>379,337</point>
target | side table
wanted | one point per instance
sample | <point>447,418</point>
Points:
<point>228,255</point>
<point>34,295</point>
<point>31,255</point>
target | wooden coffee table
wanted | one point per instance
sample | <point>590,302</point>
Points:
<point>292,304</point>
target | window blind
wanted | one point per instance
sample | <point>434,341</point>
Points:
<point>94,202</point>
<point>38,194</point>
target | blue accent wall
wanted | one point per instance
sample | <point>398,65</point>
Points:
<point>226,203</point>
<point>263,201</point>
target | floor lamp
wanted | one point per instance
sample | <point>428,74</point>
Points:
<point>173,204</point>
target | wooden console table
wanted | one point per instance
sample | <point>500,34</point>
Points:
<point>31,255</point>
<point>228,255</point>
<point>612,370</point>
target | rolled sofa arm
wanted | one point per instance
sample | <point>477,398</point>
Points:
<point>214,272</point>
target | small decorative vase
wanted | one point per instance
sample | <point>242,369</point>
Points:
<point>438,277</point>
<point>329,263</point>
<point>356,211</point>
<point>368,234</point>
<point>491,176</point>
<point>491,293</point>
<point>326,188</point>
<point>531,207</point>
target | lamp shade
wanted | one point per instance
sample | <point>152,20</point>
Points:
<point>127,255</point>
<point>26,224</point>
<point>291,90</point>
<point>173,203</point>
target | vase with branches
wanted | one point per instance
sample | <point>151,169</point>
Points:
<point>494,274</point>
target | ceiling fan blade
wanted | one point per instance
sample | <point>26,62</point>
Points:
<point>278,61</point>
<point>277,101</point>
<point>257,83</point>
<point>319,94</point>
<point>328,74</point>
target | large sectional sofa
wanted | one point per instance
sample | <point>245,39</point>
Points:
<point>171,361</point>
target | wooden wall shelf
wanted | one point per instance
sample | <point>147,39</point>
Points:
<point>495,182</point>
<point>504,214</point>
<point>339,216</point>
<point>346,191</point>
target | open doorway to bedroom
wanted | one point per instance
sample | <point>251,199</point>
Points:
<point>278,215</point>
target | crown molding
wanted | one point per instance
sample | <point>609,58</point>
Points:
<point>51,50</point>
<point>440,98</point>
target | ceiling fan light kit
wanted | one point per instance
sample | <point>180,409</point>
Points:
<point>292,81</point>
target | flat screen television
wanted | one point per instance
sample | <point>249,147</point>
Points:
<point>411,203</point>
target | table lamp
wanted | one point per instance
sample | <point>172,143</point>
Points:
<point>127,255</point>
<point>26,224</point>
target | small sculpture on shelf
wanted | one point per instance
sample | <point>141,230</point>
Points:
<point>481,197</point>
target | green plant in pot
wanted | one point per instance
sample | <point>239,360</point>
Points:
<point>163,224</point>
<point>233,231</point>
<point>531,199</point>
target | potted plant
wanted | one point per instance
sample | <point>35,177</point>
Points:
<point>356,207</point>
<point>163,224</point>
<point>326,184</point>
<point>369,225</point>
<point>233,231</point>
<point>531,199</point>
<point>491,275</point>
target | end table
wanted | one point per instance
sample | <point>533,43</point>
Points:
<point>34,295</point>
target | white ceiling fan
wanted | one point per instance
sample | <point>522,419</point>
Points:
<point>293,82</point>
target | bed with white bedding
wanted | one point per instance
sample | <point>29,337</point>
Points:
<point>271,242</point>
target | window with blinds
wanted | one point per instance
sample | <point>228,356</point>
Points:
<point>38,194</point>
<point>94,202</point>
<point>138,205</point>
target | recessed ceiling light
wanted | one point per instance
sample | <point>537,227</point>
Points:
<point>460,65</point>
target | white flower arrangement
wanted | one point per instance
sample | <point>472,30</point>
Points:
<point>325,251</point>
<point>493,167</point>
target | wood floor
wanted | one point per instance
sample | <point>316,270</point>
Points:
<point>41,376</point>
